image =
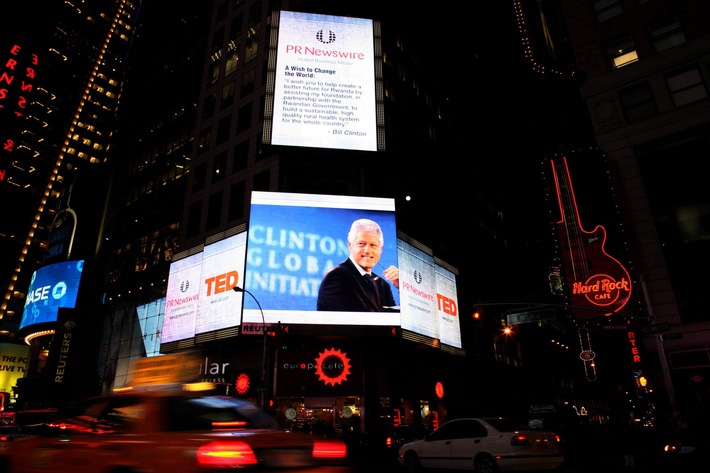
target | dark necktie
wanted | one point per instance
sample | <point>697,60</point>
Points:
<point>370,281</point>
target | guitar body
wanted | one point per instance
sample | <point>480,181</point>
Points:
<point>597,283</point>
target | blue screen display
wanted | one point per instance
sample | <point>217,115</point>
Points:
<point>52,287</point>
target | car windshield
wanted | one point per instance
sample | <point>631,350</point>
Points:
<point>116,414</point>
<point>505,425</point>
<point>226,409</point>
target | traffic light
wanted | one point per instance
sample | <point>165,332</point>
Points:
<point>477,315</point>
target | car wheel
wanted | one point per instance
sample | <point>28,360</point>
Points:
<point>412,463</point>
<point>485,464</point>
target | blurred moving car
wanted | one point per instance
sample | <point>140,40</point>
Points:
<point>483,445</point>
<point>26,423</point>
<point>168,429</point>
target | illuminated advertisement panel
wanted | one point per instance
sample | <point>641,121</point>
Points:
<point>429,296</point>
<point>447,307</point>
<point>222,269</point>
<point>295,240</point>
<point>418,286</point>
<point>324,83</point>
<point>52,287</point>
<point>182,298</point>
<point>12,365</point>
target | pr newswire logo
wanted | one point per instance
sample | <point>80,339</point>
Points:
<point>321,37</point>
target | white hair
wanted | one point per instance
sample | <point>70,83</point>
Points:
<point>365,225</point>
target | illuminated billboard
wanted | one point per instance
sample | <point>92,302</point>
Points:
<point>295,240</point>
<point>52,287</point>
<point>294,243</point>
<point>182,299</point>
<point>322,87</point>
<point>13,363</point>
<point>429,296</point>
<point>222,269</point>
<point>199,297</point>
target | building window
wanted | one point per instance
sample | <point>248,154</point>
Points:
<point>261,181</point>
<point>203,141</point>
<point>637,102</point>
<point>223,129</point>
<point>248,82</point>
<point>217,40</point>
<point>194,214</point>
<point>667,35</point>
<point>622,52</point>
<point>221,12</point>
<point>606,9</point>
<point>244,118</point>
<point>214,210</point>
<point>227,96</point>
<point>686,87</point>
<point>213,73</point>
<point>254,14</point>
<point>235,29</point>
<point>199,177</point>
<point>232,61</point>
<point>236,200</point>
<point>208,106</point>
<point>241,153</point>
<point>219,167</point>
<point>252,45</point>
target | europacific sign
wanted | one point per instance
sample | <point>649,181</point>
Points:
<point>315,372</point>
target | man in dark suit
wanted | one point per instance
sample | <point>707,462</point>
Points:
<point>352,286</point>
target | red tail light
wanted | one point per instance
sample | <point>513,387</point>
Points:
<point>329,449</point>
<point>229,425</point>
<point>226,455</point>
<point>388,441</point>
<point>519,440</point>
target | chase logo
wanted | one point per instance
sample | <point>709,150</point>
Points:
<point>43,293</point>
<point>320,36</point>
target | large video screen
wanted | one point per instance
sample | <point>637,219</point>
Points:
<point>294,266</point>
<point>322,84</point>
<point>429,296</point>
<point>52,287</point>
<point>295,240</point>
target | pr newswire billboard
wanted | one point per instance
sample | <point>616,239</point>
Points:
<point>322,83</point>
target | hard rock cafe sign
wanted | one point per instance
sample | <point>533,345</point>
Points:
<point>597,283</point>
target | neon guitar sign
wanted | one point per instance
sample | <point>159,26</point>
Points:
<point>597,283</point>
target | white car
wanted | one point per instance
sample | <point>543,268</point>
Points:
<point>483,445</point>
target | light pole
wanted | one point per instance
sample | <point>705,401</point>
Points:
<point>262,388</point>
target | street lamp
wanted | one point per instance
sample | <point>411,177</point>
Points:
<point>263,355</point>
